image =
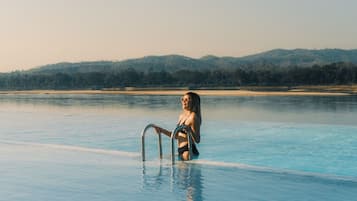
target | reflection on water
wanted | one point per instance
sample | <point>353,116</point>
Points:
<point>90,100</point>
<point>300,109</point>
<point>33,172</point>
<point>197,182</point>
<point>307,109</point>
<point>184,179</point>
<point>276,103</point>
<point>189,178</point>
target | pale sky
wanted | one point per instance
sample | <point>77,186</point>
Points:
<point>39,32</point>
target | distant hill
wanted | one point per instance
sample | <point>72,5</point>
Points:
<point>167,63</point>
<point>277,58</point>
<point>303,57</point>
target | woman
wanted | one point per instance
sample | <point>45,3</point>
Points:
<point>190,117</point>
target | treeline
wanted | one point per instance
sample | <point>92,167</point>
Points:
<point>336,73</point>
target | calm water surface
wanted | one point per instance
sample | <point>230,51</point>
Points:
<point>87,147</point>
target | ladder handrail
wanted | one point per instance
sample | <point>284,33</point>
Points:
<point>179,128</point>
<point>143,141</point>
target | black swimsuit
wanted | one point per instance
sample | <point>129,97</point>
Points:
<point>181,150</point>
<point>195,152</point>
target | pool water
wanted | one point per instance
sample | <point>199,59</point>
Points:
<point>87,147</point>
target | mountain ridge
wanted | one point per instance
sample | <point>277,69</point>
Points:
<point>280,58</point>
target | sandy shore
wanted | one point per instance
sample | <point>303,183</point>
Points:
<point>241,92</point>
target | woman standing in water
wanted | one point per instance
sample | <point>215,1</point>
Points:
<point>190,117</point>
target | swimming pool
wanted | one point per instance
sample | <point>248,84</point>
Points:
<point>87,147</point>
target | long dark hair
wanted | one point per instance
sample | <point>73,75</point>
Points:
<point>195,104</point>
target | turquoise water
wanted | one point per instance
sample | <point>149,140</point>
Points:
<point>87,147</point>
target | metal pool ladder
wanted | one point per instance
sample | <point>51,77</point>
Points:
<point>173,137</point>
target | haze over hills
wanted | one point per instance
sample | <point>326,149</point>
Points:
<point>277,58</point>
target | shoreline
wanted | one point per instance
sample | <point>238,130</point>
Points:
<point>243,91</point>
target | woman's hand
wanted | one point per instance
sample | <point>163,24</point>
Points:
<point>158,129</point>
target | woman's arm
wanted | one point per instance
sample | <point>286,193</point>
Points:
<point>195,125</point>
<point>162,130</point>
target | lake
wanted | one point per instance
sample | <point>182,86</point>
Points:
<point>87,147</point>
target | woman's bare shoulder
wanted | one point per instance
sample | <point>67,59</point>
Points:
<point>193,117</point>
